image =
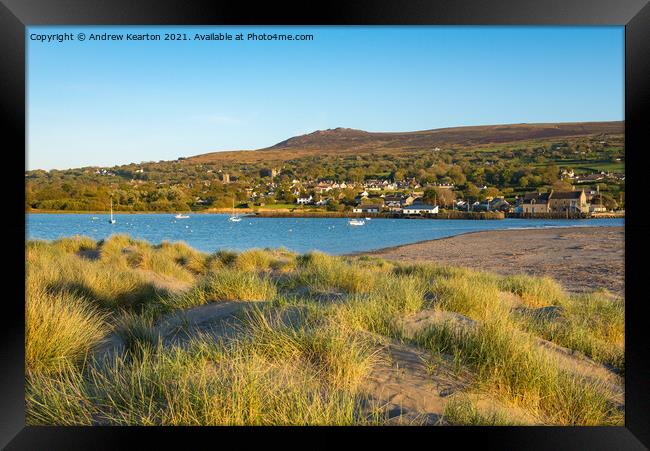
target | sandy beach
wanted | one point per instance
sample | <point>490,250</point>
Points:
<point>580,258</point>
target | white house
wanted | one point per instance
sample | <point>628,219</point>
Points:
<point>304,200</point>
<point>597,208</point>
<point>419,209</point>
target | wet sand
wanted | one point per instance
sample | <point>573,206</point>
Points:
<point>580,258</point>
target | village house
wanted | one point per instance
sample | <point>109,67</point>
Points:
<point>394,202</point>
<point>597,208</point>
<point>569,174</point>
<point>362,195</point>
<point>493,204</point>
<point>555,202</point>
<point>304,200</point>
<point>500,204</point>
<point>568,201</point>
<point>373,185</point>
<point>420,209</point>
<point>443,185</point>
<point>323,187</point>
<point>535,203</point>
<point>590,178</point>
<point>367,208</point>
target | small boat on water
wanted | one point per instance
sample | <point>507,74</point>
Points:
<point>368,219</point>
<point>181,216</point>
<point>233,217</point>
<point>111,221</point>
<point>356,222</point>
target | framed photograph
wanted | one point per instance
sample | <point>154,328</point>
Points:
<point>404,218</point>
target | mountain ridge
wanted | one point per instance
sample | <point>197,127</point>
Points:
<point>349,140</point>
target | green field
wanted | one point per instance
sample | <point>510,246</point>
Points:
<point>606,166</point>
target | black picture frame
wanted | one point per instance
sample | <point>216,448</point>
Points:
<point>15,15</point>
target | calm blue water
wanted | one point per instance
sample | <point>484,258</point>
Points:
<point>210,232</point>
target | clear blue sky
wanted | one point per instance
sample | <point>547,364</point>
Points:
<point>107,103</point>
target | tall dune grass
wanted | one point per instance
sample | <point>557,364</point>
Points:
<point>462,411</point>
<point>593,324</point>
<point>321,272</point>
<point>508,362</point>
<point>534,291</point>
<point>340,357</point>
<point>390,298</point>
<point>60,328</point>
<point>216,386</point>
<point>62,398</point>
<point>302,357</point>
<point>469,295</point>
<point>223,285</point>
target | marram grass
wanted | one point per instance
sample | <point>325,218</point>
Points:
<point>304,346</point>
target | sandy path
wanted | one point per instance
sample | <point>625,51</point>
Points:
<point>410,386</point>
<point>580,258</point>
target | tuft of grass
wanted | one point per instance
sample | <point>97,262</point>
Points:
<point>75,244</point>
<point>226,257</point>
<point>253,260</point>
<point>534,291</point>
<point>340,357</point>
<point>137,332</point>
<point>593,324</point>
<point>390,299</point>
<point>62,398</point>
<point>60,329</point>
<point>508,362</point>
<point>224,285</point>
<point>110,285</point>
<point>469,295</point>
<point>461,411</point>
<point>321,272</point>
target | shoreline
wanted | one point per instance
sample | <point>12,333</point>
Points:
<point>581,258</point>
<point>472,216</point>
<point>473,232</point>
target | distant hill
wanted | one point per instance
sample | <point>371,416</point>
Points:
<point>347,140</point>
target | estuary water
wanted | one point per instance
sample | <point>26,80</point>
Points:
<point>211,232</point>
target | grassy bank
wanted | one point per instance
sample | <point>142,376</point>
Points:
<point>311,331</point>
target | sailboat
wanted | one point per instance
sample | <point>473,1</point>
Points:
<point>233,217</point>
<point>111,221</point>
